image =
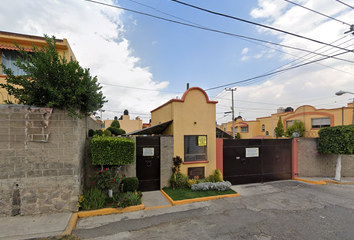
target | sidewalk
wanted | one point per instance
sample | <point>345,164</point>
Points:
<point>51,225</point>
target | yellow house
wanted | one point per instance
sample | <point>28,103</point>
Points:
<point>127,124</point>
<point>192,124</point>
<point>8,53</point>
<point>313,119</point>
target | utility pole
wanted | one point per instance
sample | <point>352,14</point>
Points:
<point>232,109</point>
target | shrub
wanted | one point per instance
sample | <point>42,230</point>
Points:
<point>218,176</point>
<point>297,125</point>
<point>336,140</point>
<point>219,186</point>
<point>99,132</point>
<point>127,199</point>
<point>210,178</point>
<point>238,136</point>
<point>107,133</point>
<point>92,199</point>
<point>112,151</point>
<point>107,179</point>
<point>177,161</point>
<point>172,181</point>
<point>115,124</point>
<point>116,131</point>
<point>181,180</point>
<point>91,132</point>
<point>191,182</point>
<point>279,129</point>
<point>130,184</point>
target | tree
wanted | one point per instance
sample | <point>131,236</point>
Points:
<point>297,126</point>
<point>51,80</point>
<point>115,128</point>
<point>279,130</point>
<point>115,123</point>
<point>337,140</point>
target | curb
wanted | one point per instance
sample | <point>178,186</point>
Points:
<point>310,181</point>
<point>202,199</point>
<point>100,212</point>
<point>336,182</point>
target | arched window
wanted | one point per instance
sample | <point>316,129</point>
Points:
<point>263,127</point>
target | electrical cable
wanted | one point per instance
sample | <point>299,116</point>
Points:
<point>299,5</point>
<point>214,30</point>
<point>344,3</point>
<point>258,24</point>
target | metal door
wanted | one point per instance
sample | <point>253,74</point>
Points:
<point>148,162</point>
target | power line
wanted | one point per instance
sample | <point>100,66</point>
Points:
<point>258,24</point>
<point>275,72</point>
<point>344,4</point>
<point>145,89</point>
<point>317,12</point>
<point>214,30</point>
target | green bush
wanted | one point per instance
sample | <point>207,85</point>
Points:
<point>92,199</point>
<point>238,136</point>
<point>130,184</point>
<point>210,178</point>
<point>218,176</point>
<point>181,180</point>
<point>116,131</point>
<point>91,132</point>
<point>296,125</point>
<point>107,133</point>
<point>99,132</point>
<point>127,199</point>
<point>112,151</point>
<point>336,140</point>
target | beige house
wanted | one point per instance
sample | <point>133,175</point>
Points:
<point>127,124</point>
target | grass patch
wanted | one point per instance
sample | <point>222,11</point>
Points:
<point>187,193</point>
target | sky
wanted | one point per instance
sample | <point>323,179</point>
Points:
<point>142,61</point>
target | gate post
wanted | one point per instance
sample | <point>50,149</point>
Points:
<point>295,171</point>
<point>219,154</point>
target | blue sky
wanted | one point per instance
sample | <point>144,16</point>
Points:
<point>129,51</point>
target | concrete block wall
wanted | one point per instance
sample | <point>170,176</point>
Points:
<point>313,164</point>
<point>41,177</point>
<point>166,156</point>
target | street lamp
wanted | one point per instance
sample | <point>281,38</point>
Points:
<point>344,92</point>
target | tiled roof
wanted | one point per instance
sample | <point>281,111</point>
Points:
<point>14,48</point>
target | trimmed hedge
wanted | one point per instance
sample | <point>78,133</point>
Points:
<point>130,184</point>
<point>112,151</point>
<point>336,140</point>
<point>91,132</point>
<point>116,131</point>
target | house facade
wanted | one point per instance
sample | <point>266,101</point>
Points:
<point>312,118</point>
<point>8,53</point>
<point>192,124</point>
<point>127,124</point>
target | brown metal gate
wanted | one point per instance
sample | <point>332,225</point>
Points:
<point>148,162</point>
<point>257,160</point>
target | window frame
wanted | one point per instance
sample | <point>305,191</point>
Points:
<point>321,125</point>
<point>188,155</point>
<point>242,131</point>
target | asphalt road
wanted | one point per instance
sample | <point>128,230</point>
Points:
<point>276,210</point>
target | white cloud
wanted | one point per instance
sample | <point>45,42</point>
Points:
<point>96,35</point>
<point>245,50</point>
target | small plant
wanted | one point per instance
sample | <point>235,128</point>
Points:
<point>238,136</point>
<point>92,199</point>
<point>127,199</point>
<point>91,132</point>
<point>218,176</point>
<point>130,184</point>
<point>177,161</point>
<point>181,180</point>
<point>107,179</point>
<point>172,181</point>
<point>297,125</point>
<point>107,133</point>
<point>191,182</point>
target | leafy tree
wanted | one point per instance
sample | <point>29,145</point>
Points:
<point>115,123</point>
<point>238,136</point>
<point>298,126</point>
<point>52,80</point>
<point>279,129</point>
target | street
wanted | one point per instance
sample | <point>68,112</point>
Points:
<point>275,210</point>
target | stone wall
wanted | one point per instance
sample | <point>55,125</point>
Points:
<point>313,164</point>
<point>39,176</point>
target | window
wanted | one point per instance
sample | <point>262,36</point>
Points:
<point>263,127</point>
<point>244,129</point>
<point>289,123</point>
<point>8,58</point>
<point>195,148</point>
<point>320,122</point>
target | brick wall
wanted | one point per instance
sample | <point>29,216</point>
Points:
<point>312,164</point>
<point>41,177</point>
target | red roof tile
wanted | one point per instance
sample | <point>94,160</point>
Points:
<point>14,48</point>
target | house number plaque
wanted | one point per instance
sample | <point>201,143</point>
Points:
<point>148,152</point>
